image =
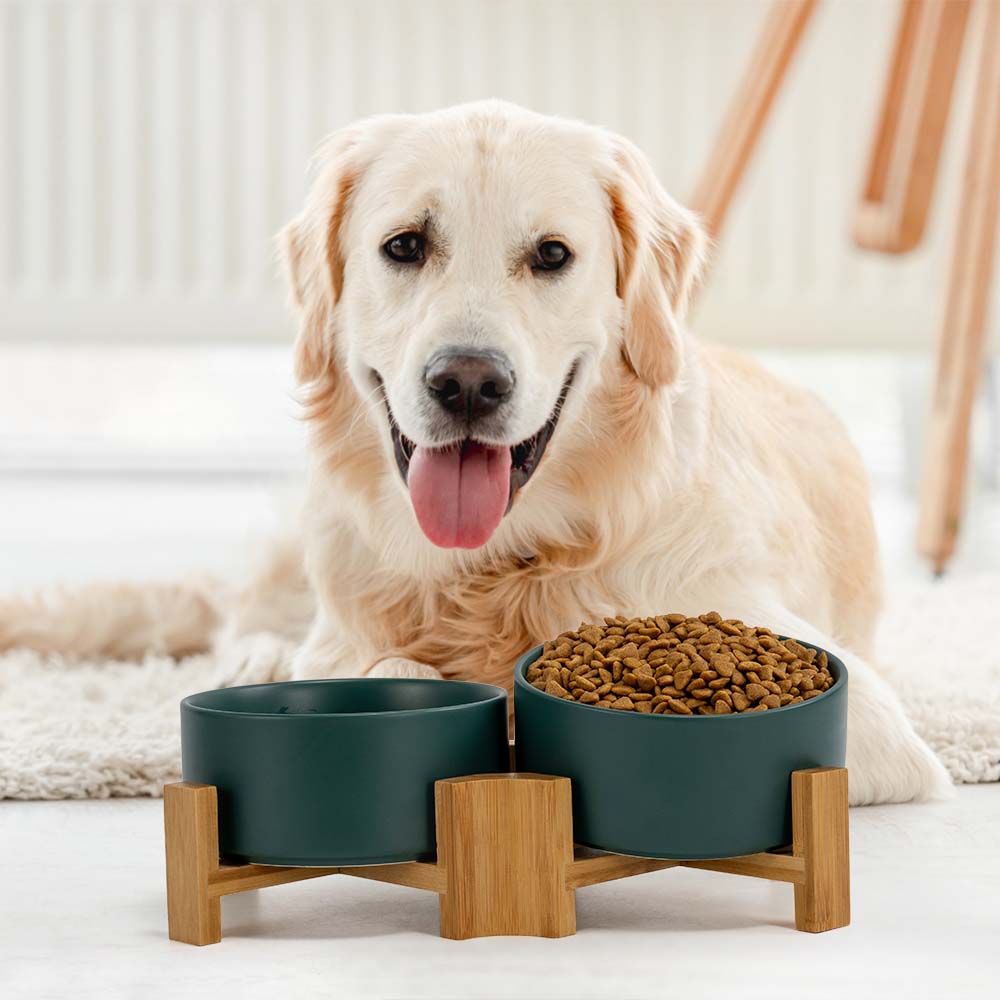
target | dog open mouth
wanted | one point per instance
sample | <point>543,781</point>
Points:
<point>461,492</point>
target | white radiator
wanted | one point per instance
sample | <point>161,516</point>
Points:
<point>149,149</point>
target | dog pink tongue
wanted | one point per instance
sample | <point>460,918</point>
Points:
<point>459,495</point>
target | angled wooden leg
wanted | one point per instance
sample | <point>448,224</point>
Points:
<point>899,184</point>
<point>961,341</point>
<point>505,842</point>
<point>747,114</point>
<point>820,837</point>
<point>191,828</point>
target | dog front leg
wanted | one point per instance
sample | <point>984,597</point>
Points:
<point>325,654</point>
<point>399,666</point>
<point>886,760</point>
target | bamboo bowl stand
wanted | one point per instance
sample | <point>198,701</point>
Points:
<point>506,862</point>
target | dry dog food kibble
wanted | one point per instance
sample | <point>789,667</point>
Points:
<point>675,665</point>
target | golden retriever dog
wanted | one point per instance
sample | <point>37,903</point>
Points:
<point>512,431</point>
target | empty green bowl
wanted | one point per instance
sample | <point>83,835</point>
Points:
<point>668,786</point>
<point>338,772</point>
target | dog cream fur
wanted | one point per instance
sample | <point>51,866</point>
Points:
<point>681,477</point>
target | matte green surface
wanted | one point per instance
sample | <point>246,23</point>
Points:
<point>338,772</point>
<point>666,786</point>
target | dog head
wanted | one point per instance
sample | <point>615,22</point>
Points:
<point>470,277</point>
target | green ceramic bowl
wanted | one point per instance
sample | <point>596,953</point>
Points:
<point>338,772</point>
<point>667,786</point>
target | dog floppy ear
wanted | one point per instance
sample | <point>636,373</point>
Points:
<point>313,255</point>
<point>661,249</point>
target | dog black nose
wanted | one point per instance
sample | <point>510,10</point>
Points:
<point>469,384</point>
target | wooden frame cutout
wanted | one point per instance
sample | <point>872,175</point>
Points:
<point>892,213</point>
<point>748,111</point>
<point>961,342</point>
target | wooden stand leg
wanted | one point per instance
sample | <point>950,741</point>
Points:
<point>747,114</point>
<point>901,172</point>
<point>191,827</point>
<point>505,842</point>
<point>820,838</point>
<point>961,341</point>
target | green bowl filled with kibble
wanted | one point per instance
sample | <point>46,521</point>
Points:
<point>680,734</point>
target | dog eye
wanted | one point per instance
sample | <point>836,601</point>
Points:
<point>406,248</point>
<point>551,255</point>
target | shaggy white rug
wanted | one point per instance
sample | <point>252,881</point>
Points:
<point>94,730</point>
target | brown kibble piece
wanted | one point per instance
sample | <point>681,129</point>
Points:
<point>723,665</point>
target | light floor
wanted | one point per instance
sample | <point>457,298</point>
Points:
<point>82,914</point>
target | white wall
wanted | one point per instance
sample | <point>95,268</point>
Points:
<point>149,149</point>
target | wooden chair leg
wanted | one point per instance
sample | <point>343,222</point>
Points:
<point>892,213</point>
<point>961,340</point>
<point>747,114</point>
<point>191,828</point>
<point>821,838</point>
<point>505,842</point>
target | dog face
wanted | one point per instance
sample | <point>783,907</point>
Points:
<point>471,272</point>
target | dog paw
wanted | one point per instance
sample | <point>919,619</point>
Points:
<point>259,658</point>
<point>886,760</point>
<point>398,666</point>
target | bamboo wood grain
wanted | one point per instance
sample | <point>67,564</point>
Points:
<point>892,213</point>
<point>230,879</point>
<point>191,833</point>
<point>505,842</point>
<point>608,867</point>
<point>416,874</point>
<point>961,338</point>
<point>505,858</point>
<point>747,114</point>
<point>776,867</point>
<point>241,878</point>
<point>820,840</point>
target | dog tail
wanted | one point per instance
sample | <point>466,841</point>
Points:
<point>125,621</point>
<point>121,621</point>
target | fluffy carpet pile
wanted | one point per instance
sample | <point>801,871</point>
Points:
<point>936,648</point>
<point>94,730</point>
